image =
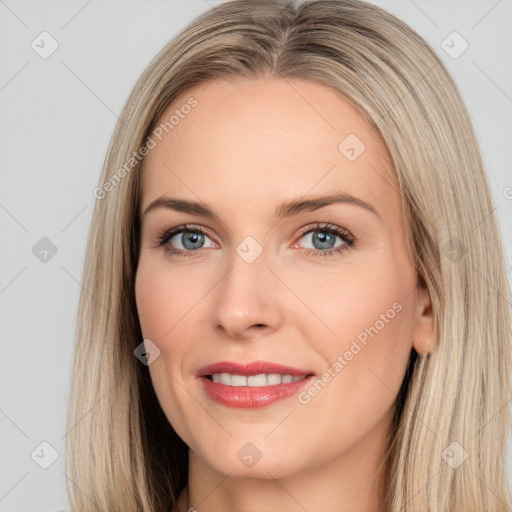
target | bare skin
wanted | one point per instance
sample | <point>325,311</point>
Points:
<point>246,148</point>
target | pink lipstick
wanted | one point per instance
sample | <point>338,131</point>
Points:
<point>251,385</point>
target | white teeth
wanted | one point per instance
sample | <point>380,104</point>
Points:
<point>225,378</point>
<point>262,379</point>
<point>273,378</point>
<point>238,380</point>
<point>257,380</point>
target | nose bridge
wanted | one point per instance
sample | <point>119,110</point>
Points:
<point>247,295</point>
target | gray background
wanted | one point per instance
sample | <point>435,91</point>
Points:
<point>57,116</point>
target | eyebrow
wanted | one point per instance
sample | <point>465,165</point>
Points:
<point>287,209</point>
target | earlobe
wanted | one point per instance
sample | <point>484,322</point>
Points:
<point>424,347</point>
<point>424,339</point>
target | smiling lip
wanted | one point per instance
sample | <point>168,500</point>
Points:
<point>251,397</point>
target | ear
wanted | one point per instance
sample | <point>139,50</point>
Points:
<point>424,336</point>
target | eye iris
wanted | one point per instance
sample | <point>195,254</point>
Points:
<point>193,238</point>
<point>321,237</point>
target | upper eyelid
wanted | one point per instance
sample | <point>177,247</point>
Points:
<point>327,226</point>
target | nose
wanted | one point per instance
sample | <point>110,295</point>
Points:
<point>247,299</point>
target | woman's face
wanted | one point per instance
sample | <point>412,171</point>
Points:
<point>294,263</point>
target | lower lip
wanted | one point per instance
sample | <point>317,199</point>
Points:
<point>249,397</point>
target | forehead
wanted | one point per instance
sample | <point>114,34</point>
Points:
<point>255,143</point>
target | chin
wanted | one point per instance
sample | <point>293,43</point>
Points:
<point>241,458</point>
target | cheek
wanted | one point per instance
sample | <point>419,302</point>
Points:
<point>365,318</point>
<point>163,299</point>
<point>163,319</point>
<point>365,355</point>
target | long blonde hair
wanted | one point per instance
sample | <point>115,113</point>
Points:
<point>122,454</point>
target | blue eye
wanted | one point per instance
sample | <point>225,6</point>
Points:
<point>323,238</point>
<point>186,240</point>
<point>188,237</point>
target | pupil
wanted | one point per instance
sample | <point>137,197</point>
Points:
<point>323,238</point>
<point>192,238</point>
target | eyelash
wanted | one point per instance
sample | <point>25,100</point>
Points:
<point>348,239</point>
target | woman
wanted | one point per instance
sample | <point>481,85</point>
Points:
<point>294,293</point>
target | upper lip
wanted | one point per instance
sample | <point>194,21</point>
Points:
<point>250,368</point>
